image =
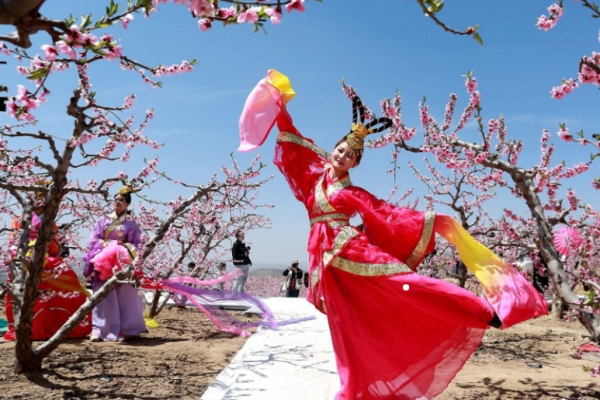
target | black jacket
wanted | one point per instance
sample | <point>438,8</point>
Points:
<point>299,273</point>
<point>238,253</point>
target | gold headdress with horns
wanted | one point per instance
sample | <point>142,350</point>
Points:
<point>128,187</point>
<point>358,130</point>
<point>356,138</point>
<point>126,190</point>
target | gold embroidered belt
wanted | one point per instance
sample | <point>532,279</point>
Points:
<point>332,219</point>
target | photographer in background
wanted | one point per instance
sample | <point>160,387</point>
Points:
<point>241,259</point>
<point>294,279</point>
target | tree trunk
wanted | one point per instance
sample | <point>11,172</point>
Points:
<point>26,359</point>
<point>556,270</point>
<point>12,11</point>
<point>462,274</point>
<point>154,310</point>
<point>558,308</point>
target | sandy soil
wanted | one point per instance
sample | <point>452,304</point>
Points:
<point>181,358</point>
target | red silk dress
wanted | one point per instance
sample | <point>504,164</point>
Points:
<point>63,296</point>
<point>396,334</point>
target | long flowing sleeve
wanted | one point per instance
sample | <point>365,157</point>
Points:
<point>300,161</point>
<point>403,233</point>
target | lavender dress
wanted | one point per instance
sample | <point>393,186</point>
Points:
<point>121,313</point>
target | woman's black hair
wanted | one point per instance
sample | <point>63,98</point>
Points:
<point>126,196</point>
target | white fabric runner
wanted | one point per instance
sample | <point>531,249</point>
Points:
<point>295,361</point>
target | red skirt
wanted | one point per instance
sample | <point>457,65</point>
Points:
<point>51,314</point>
<point>403,336</point>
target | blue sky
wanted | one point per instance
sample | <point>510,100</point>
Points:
<point>379,48</point>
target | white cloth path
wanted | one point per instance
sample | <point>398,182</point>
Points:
<point>295,361</point>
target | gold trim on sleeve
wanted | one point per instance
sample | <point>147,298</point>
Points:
<point>366,269</point>
<point>289,137</point>
<point>421,247</point>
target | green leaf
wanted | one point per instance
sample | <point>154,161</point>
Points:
<point>85,20</point>
<point>478,38</point>
<point>147,4</point>
<point>112,9</point>
<point>102,25</point>
<point>40,73</point>
<point>97,51</point>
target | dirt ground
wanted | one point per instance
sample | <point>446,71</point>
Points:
<point>182,357</point>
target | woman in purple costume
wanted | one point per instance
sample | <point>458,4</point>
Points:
<point>121,314</point>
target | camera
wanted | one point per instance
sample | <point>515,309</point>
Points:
<point>248,248</point>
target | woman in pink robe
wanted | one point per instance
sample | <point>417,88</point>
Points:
<point>396,334</point>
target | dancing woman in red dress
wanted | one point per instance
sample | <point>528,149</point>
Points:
<point>396,334</point>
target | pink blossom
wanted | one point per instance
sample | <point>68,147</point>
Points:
<point>200,7</point>
<point>204,24</point>
<point>226,13</point>
<point>11,107</point>
<point>50,52</point>
<point>66,49</point>
<point>113,52</point>
<point>471,85</point>
<point>252,15</point>
<point>4,49</point>
<point>274,14</point>
<point>75,36</point>
<point>295,4</point>
<point>126,20</point>
<point>564,134</point>
<point>558,92</point>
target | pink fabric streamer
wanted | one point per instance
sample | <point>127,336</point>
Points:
<point>218,323</point>
<point>262,108</point>
<point>194,281</point>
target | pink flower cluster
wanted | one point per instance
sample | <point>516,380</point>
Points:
<point>208,11</point>
<point>25,101</point>
<point>588,74</point>
<point>564,134</point>
<point>558,92</point>
<point>547,23</point>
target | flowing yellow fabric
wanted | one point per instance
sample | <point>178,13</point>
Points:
<point>64,282</point>
<point>510,295</point>
<point>487,267</point>
<point>282,83</point>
